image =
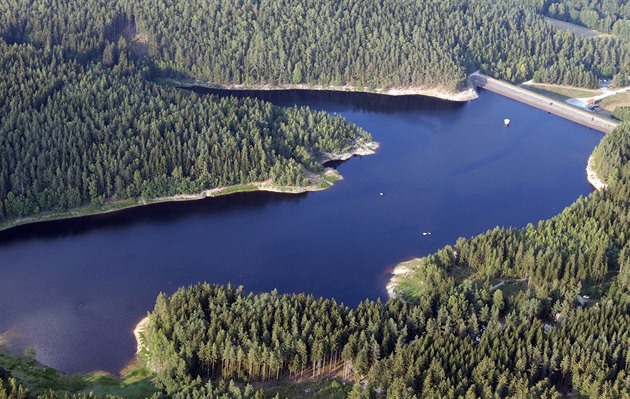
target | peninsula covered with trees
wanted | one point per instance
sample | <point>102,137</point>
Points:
<point>73,141</point>
<point>79,128</point>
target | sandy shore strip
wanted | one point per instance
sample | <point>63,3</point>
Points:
<point>137,333</point>
<point>592,176</point>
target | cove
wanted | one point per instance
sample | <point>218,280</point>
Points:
<point>73,290</point>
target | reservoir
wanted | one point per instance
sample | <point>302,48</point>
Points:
<point>73,290</point>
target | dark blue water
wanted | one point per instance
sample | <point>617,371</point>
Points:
<point>74,290</point>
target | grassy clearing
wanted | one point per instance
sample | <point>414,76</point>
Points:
<point>618,100</point>
<point>135,382</point>
<point>409,288</point>
<point>560,93</point>
<point>103,384</point>
<point>329,179</point>
<point>332,176</point>
<point>323,185</point>
<point>36,378</point>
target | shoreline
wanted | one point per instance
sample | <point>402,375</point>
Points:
<point>317,182</point>
<point>467,94</point>
<point>593,177</point>
<point>404,269</point>
<point>137,331</point>
<point>400,272</point>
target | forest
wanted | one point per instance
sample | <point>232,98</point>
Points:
<point>536,312</point>
<point>361,44</point>
<point>371,44</point>
<point>606,16</point>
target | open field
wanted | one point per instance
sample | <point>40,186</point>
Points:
<point>618,100</point>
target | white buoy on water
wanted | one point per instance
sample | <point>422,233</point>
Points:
<point>506,121</point>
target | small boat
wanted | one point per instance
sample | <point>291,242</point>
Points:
<point>506,121</point>
<point>426,233</point>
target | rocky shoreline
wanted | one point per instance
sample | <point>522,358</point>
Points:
<point>593,177</point>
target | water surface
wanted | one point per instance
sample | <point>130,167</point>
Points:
<point>74,289</point>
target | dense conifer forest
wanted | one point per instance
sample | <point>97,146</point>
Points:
<point>364,44</point>
<point>370,44</point>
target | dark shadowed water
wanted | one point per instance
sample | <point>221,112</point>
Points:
<point>74,290</point>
